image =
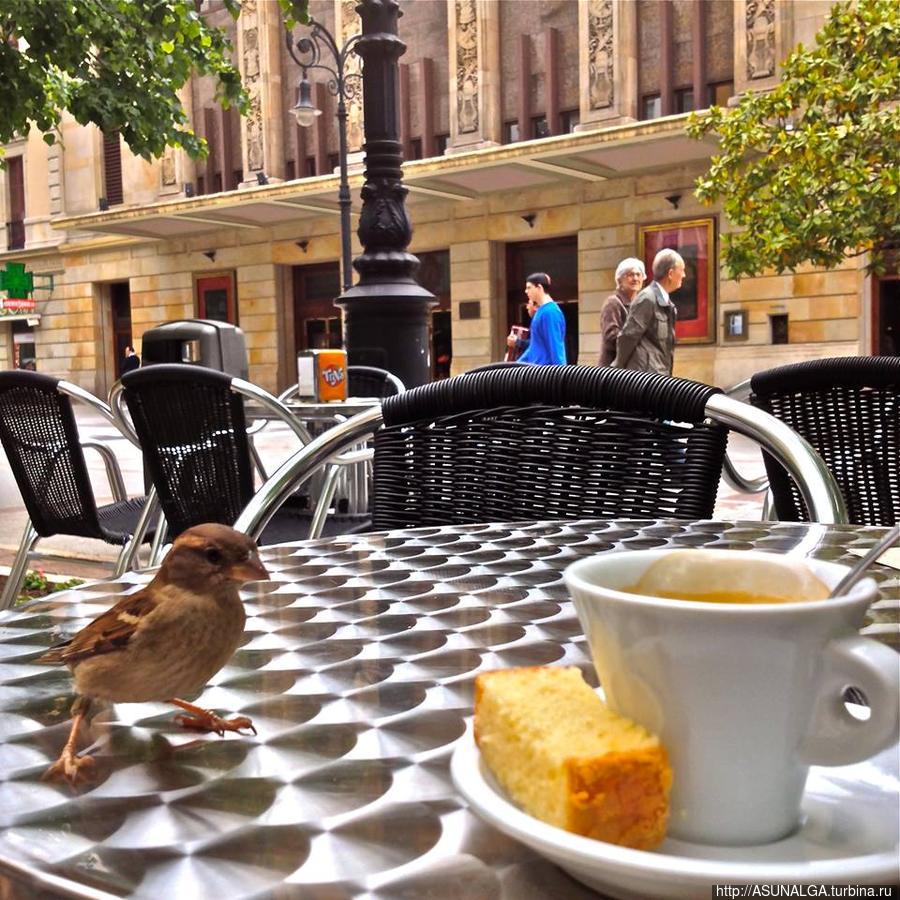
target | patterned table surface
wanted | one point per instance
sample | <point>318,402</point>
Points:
<point>357,669</point>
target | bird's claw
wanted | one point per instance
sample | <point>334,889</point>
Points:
<point>209,721</point>
<point>71,768</point>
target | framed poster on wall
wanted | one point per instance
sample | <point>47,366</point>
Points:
<point>696,299</point>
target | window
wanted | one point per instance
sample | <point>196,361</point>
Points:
<point>539,127</point>
<point>651,106</point>
<point>440,143</point>
<point>290,170</point>
<point>334,160</point>
<point>112,169</point>
<point>311,166</point>
<point>15,226</point>
<point>569,118</point>
<point>720,93</point>
<point>415,148</point>
<point>201,185</point>
<point>779,326</point>
<point>511,132</point>
<point>684,100</point>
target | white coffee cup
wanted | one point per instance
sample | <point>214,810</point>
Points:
<point>745,697</point>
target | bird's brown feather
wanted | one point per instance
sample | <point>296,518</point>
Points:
<point>108,633</point>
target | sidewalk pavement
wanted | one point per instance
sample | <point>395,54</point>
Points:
<point>85,558</point>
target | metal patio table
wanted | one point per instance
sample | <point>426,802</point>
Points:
<point>357,669</point>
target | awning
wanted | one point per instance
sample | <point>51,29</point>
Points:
<point>563,160</point>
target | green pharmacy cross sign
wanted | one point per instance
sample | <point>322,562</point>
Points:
<point>18,285</point>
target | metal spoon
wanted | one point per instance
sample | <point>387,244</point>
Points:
<point>859,568</point>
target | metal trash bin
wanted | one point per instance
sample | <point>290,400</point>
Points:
<point>202,342</point>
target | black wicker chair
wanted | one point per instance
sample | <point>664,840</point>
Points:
<point>39,433</point>
<point>191,426</point>
<point>547,442</point>
<point>849,410</point>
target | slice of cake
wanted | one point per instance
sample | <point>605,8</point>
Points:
<point>566,759</point>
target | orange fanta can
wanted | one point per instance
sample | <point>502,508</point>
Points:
<point>322,375</point>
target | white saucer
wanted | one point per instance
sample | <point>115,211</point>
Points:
<point>850,835</point>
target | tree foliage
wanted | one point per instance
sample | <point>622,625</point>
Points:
<point>115,63</point>
<point>811,169</point>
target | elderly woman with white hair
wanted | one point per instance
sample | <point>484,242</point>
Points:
<point>630,276</point>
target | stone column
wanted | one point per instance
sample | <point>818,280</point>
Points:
<point>474,42</point>
<point>347,24</point>
<point>260,36</point>
<point>176,168</point>
<point>607,62</point>
<point>761,41</point>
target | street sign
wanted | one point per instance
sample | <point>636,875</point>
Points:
<point>19,285</point>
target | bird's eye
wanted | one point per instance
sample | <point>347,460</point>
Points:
<point>214,556</point>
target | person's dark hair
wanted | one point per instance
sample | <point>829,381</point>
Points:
<point>539,279</point>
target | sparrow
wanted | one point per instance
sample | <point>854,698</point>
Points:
<point>165,641</point>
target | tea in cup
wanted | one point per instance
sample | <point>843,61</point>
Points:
<point>738,661</point>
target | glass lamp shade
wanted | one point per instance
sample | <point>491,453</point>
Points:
<point>304,109</point>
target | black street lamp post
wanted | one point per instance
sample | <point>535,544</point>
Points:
<point>387,312</point>
<point>307,53</point>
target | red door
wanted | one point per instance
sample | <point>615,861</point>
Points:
<point>215,298</point>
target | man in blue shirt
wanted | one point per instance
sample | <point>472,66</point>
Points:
<point>547,340</point>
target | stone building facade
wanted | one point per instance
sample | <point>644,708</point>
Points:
<point>538,135</point>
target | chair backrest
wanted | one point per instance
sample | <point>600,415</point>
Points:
<point>193,434</point>
<point>849,410</point>
<point>40,436</point>
<point>546,442</point>
<point>369,381</point>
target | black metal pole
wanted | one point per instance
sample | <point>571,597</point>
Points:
<point>387,313</point>
<point>344,193</point>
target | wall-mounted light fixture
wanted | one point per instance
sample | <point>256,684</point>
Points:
<point>529,218</point>
<point>102,204</point>
<point>303,245</point>
<point>674,199</point>
<point>262,178</point>
<point>210,255</point>
<point>189,189</point>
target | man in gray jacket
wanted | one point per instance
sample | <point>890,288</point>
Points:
<point>647,340</point>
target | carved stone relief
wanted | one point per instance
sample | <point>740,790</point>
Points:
<point>168,166</point>
<point>467,66</point>
<point>600,53</point>
<point>255,159</point>
<point>350,25</point>
<point>760,23</point>
<point>253,83</point>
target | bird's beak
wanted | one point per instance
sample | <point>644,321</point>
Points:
<point>249,569</point>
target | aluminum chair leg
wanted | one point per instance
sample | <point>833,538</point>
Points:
<point>129,558</point>
<point>19,567</point>
<point>324,504</point>
<point>158,544</point>
<point>257,459</point>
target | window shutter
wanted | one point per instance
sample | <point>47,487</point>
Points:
<point>112,169</point>
<point>15,179</point>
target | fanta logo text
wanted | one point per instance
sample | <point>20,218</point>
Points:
<point>333,375</point>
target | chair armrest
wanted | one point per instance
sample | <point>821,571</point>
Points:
<point>273,405</point>
<point>817,485</point>
<point>298,468</point>
<point>113,471</point>
<point>119,412</point>
<point>733,478</point>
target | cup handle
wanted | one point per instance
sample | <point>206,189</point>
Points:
<point>836,737</point>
